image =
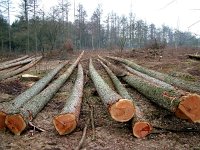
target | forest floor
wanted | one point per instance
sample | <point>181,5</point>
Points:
<point>109,135</point>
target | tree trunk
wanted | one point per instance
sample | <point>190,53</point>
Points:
<point>15,72</point>
<point>186,85</point>
<point>140,126</point>
<point>120,109</point>
<point>67,120</point>
<point>14,60</point>
<point>18,122</point>
<point>150,79</point>
<point>184,105</point>
<point>22,62</point>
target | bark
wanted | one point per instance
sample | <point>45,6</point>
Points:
<point>197,57</point>
<point>150,79</point>
<point>18,122</point>
<point>14,105</point>
<point>67,120</point>
<point>140,126</point>
<point>184,105</point>
<point>22,62</point>
<point>17,71</point>
<point>120,109</point>
<point>186,85</point>
<point>14,60</point>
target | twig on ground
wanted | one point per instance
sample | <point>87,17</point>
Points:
<point>83,136</point>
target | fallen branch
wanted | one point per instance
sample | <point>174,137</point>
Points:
<point>186,85</point>
<point>19,121</point>
<point>83,136</point>
<point>67,120</point>
<point>140,126</point>
<point>120,109</point>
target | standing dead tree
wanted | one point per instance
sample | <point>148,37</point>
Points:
<point>67,120</point>
<point>120,109</point>
<point>18,122</point>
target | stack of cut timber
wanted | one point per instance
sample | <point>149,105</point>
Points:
<point>9,65</point>
<point>120,109</point>
<point>67,120</point>
<point>14,60</point>
<point>184,105</point>
<point>14,105</point>
<point>19,121</point>
<point>19,70</point>
<point>140,126</point>
<point>186,85</point>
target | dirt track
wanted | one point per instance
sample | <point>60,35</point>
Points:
<point>108,133</point>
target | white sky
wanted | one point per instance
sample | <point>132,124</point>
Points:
<point>178,14</point>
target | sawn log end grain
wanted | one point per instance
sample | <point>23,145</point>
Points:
<point>123,110</point>
<point>15,123</point>
<point>65,123</point>
<point>141,129</point>
<point>189,108</point>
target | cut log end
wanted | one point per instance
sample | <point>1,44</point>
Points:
<point>15,123</point>
<point>123,110</point>
<point>2,121</point>
<point>141,129</point>
<point>189,108</point>
<point>65,123</point>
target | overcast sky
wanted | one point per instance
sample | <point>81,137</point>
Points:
<point>180,14</point>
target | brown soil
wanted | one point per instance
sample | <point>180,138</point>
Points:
<point>108,133</point>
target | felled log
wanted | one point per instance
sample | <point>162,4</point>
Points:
<point>184,105</point>
<point>17,71</point>
<point>19,121</point>
<point>67,120</point>
<point>148,78</point>
<point>14,105</point>
<point>186,85</point>
<point>22,62</point>
<point>140,126</point>
<point>197,57</point>
<point>120,109</point>
<point>14,60</point>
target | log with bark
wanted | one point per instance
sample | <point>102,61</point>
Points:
<point>184,105</point>
<point>197,57</point>
<point>140,126</point>
<point>120,109</point>
<point>186,85</point>
<point>17,71</point>
<point>22,62</point>
<point>150,79</point>
<point>14,105</point>
<point>67,120</point>
<point>14,60</point>
<point>18,122</point>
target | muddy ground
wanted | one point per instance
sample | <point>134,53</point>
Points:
<point>108,133</point>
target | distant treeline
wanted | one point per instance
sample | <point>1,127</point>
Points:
<point>35,30</point>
